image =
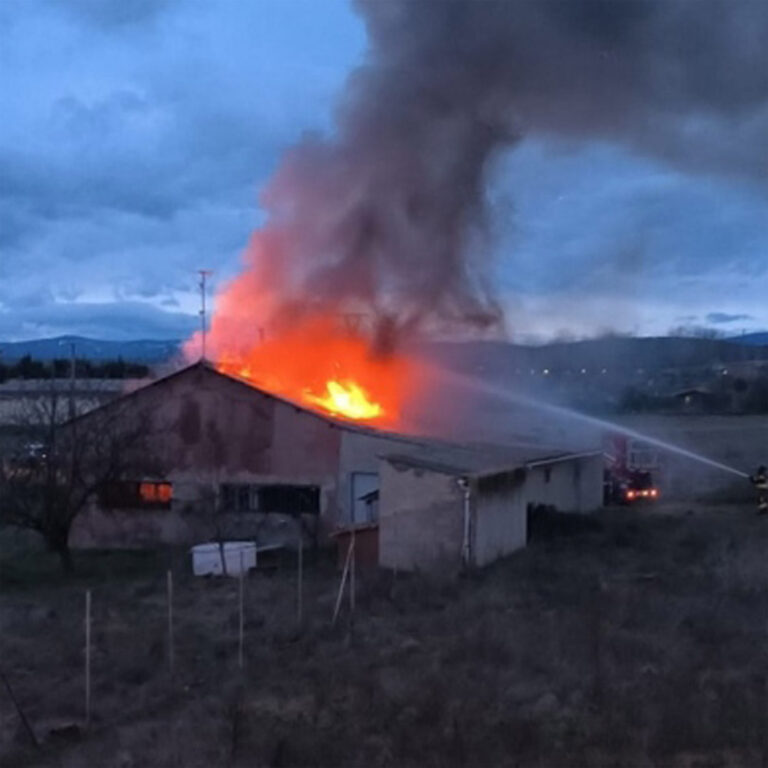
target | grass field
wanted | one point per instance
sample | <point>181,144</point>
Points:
<point>632,638</point>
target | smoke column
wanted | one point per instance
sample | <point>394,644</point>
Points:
<point>388,214</point>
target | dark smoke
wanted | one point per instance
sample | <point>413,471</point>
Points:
<point>390,212</point>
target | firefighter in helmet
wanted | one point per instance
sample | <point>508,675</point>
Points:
<point>760,481</point>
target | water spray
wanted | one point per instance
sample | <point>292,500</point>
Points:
<point>504,393</point>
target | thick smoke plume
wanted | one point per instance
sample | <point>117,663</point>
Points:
<point>387,216</point>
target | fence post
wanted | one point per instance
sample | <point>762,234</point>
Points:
<point>343,582</point>
<point>352,577</point>
<point>241,625</point>
<point>171,653</point>
<point>88,657</point>
<point>300,575</point>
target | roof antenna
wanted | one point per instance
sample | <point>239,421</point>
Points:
<point>204,275</point>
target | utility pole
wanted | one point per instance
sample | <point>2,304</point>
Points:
<point>204,275</point>
<point>72,380</point>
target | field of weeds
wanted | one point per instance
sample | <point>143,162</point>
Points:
<point>630,638</point>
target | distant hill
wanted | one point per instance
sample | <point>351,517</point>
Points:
<point>752,339</point>
<point>492,357</point>
<point>614,354</point>
<point>140,351</point>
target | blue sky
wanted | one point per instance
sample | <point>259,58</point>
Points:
<point>135,139</point>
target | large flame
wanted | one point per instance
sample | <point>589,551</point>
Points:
<point>269,328</point>
<point>318,362</point>
<point>348,399</point>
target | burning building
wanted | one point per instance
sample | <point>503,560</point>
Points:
<point>229,460</point>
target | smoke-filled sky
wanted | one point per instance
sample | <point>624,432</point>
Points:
<point>620,173</point>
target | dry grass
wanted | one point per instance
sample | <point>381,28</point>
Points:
<point>637,640</point>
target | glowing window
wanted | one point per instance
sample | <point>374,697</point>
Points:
<point>136,495</point>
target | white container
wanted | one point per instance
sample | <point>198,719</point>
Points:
<point>207,558</point>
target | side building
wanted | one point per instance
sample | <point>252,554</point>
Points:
<point>448,507</point>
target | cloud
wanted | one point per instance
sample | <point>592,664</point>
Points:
<point>114,321</point>
<point>718,318</point>
<point>135,137</point>
<point>389,212</point>
<point>596,218</point>
<point>115,15</point>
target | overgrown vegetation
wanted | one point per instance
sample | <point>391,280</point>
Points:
<point>636,639</point>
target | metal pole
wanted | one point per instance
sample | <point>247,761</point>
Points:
<point>299,608</point>
<point>340,594</point>
<point>72,363</point>
<point>171,655</point>
<point>242,618</point>
<point>204,274</point>
<point>88,657</point>
<point>352,577</point>
<point>202,310</point>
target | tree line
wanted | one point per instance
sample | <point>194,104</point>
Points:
<point>29,368</point>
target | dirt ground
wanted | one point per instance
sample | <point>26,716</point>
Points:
<point>634,638</point>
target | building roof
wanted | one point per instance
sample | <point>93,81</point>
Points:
<point>479,461</point>
<point>431,453</point>
<point>209,369</point>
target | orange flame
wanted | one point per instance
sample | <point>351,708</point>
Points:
<point>346,398</point>
<point>305,354</point>
<point>320,365</point>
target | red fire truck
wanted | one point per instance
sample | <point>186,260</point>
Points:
<point>631,471</point>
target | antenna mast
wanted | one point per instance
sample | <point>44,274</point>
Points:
<point>204,275</point>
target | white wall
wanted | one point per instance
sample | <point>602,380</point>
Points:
<point>500,519</point>
<point>359,452</point>
<point>573,485</point>
<point>420,519</point>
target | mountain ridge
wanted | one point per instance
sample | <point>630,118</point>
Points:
<point>138,350</point>
<point>642,351</point>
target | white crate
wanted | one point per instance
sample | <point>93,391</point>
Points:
<point>207,558</point>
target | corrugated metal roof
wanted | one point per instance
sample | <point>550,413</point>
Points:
<point>477,461</point>
<point>429,452</point>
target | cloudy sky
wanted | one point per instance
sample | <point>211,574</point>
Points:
<point>135,139</point>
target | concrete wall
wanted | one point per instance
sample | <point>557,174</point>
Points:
<point>420,519</point>
<point>203,430</point>
<point>360,452</point>
<point>500,518</point>
<point>127,529</point>
<point>590,490</point>
<point>573,485</point>
<point>421,512</point>
<point>194,517</point>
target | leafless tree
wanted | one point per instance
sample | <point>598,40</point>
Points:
<point>58,463</point>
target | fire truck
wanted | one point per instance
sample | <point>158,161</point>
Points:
<point>631,472</point>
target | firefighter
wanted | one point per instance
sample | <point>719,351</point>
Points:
<point>760,481</point>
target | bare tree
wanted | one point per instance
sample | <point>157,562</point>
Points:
<point>58,464</point>
<point>209,511</point>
